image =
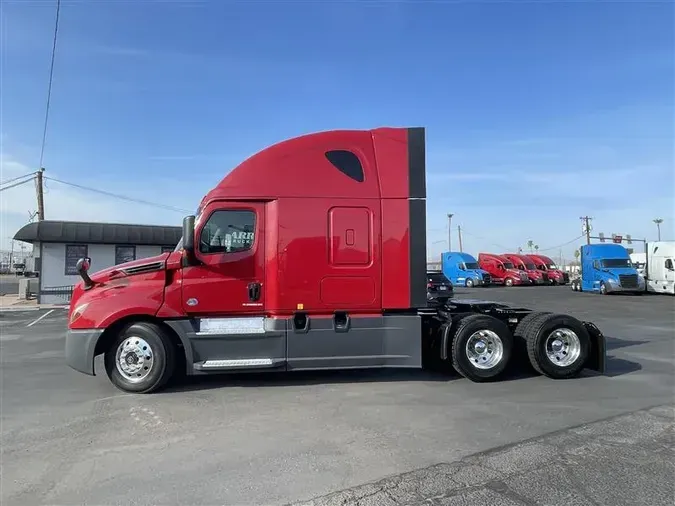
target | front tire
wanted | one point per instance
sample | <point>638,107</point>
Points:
<point>141,359</point>
<point>481,347</point>
<point>469,283</point>
<point>508,282</point>
<point>603,288</point>
<point>557,345</point>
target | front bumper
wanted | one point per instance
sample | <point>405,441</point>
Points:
<point>80,349</point>
<point>618,288</point>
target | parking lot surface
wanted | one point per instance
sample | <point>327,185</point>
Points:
<point>271,439</point>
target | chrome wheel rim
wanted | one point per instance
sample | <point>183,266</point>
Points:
<point>469,283</point>
<point>134,359</point>
<point>484,349</point>
<point>563,347</point>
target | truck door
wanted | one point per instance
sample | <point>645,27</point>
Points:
<point>230,247</point>
<point>669,274</point>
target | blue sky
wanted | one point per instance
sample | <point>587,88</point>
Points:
<point>536,112</point>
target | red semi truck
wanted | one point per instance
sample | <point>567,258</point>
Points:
<point>309,255</point>
<point>545,264</point>
<point>524,264</point>
<point>502,270</point>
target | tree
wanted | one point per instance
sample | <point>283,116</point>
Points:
<point>536,247</point>
<point>530,243</point>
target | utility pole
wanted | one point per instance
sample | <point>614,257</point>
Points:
<point>658,222</point>
<point>459,233</point>
<point>40,195</point>
<point>450,231</point>
<point>586,227</point>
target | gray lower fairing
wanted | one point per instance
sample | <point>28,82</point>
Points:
<point>230,344</point>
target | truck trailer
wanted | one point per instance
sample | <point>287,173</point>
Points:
<point>310,254</point>
<point>606,269</point>
<point>463,270</point>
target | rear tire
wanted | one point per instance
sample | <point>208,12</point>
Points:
<point>481,347</point>
<point>141,359</point>
<point>557,345</point>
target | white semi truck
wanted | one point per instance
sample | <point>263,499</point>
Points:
<point>660,267</point>
<point>639,261</point>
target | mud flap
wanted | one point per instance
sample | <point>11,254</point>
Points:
<point>597,358</point>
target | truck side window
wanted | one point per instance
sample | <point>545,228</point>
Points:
<point>347,163</point>
<point>669,264</point>
<point>228,231</point>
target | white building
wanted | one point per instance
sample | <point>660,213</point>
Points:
<point>58,245</point>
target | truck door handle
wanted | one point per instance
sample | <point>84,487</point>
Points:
<point>253,291</point>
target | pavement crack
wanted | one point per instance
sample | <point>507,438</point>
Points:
<point>500,487</point>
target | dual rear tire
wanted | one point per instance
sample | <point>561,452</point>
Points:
<point>556,345</point>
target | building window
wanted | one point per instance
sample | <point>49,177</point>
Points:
<point>124,254</point>
<point>73,253</point>
<point>347,163</point>
<point>228,232</point>
<point>168,249</point>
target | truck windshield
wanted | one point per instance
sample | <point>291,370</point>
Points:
<point>508,265</point>
<point>469,266</point>
<point>613,263</point>
<point>530,267</point>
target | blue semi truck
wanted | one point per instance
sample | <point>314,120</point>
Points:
<point>462,270</point>
<point>605,269</point>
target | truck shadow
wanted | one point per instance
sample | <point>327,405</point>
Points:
<point>300,378</point>
<point>519,369</point>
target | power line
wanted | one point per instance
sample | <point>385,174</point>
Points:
<point>117,196</point>
<point>16,178</point>
<point>51,78</point>
<point>16,184</point>
<point>561,245</point>
<point>486,240</point>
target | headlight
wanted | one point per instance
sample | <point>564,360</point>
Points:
<point>78,311</point>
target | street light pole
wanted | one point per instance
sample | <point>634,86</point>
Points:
<point>658,222</point>
<point>450,231</point>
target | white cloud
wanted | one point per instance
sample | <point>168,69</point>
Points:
<point>67,203</point>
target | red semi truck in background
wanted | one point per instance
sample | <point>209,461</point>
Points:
<point>502,270</point>
<point>524,264</point>
<point>555,275</point>
<point>311,254</point>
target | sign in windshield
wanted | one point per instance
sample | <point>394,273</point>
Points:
<point>616,263</point>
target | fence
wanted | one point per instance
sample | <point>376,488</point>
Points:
<point>61,292</point>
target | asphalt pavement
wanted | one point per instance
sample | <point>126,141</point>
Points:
<point>273,439</point>
<point>9,284</point>
<point>623,461</point>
